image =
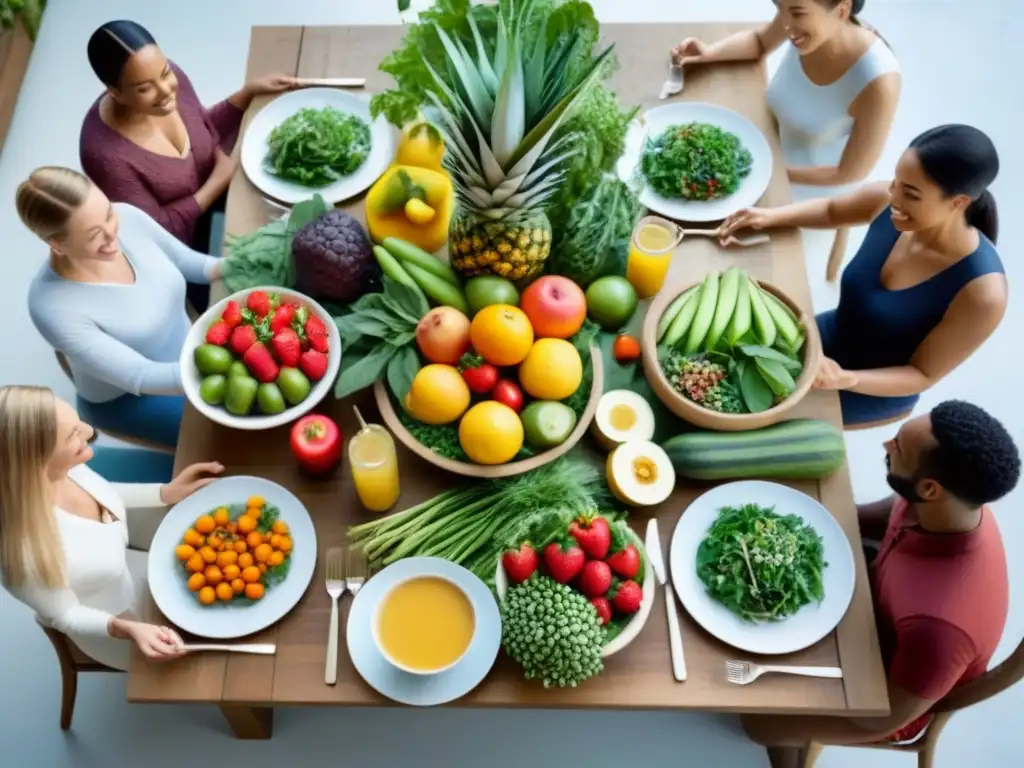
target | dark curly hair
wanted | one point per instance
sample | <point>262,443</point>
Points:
<point>976,460</point>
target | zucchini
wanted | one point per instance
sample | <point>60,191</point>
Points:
<point>802,449</point>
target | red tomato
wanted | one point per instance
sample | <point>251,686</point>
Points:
<point>509,393</point>
<point>626,349</point>
<point>316,443</point>
<point>481,378</point>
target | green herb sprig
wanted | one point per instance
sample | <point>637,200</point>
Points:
<point>316,147</point>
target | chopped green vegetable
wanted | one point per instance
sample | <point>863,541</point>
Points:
<point>761,565</point>
<point>695,161</point>
<point>316,147</point>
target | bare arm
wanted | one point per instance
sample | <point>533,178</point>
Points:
<point>972,317</point>
<point>873,112</point>
<point>748,45</point>
<point>874,518</point>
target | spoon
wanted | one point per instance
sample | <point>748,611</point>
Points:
<point>674,83</point>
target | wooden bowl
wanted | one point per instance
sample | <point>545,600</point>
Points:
<point>725,422</point>
<point>491,471</point>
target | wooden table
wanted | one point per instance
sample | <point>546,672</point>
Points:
<point>248,688</point>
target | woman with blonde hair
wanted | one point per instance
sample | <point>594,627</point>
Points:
<point>65,532</point>
<point>111,300</point>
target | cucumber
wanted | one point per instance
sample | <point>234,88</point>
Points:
<point>393,269</point>
<point>802,449</point>
<point>438,291</point>
<point>728,295</point>
<point>705,313</point>
<point>681,324</point>
<point>783,317</point>
<point>673,309</point>
<point>764,326</point>
<point>739,324</point>
<point>408,253</point>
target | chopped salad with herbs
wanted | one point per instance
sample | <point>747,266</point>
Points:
<point>316,147</point>
<point>695,161</point>
<point>760,565</point>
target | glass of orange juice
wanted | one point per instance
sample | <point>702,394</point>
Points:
<point>650,254</point>
<point>374,462</point>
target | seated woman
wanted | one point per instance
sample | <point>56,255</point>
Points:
<point>149,141</point>
<point>111,299</point>
<point>65,531</point>
<point>926,287</point>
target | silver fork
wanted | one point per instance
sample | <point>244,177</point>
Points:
<point>744,673</point>
<point>335,588</point>
<point>356,570</point>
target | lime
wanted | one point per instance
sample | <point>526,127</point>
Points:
<point>269,399</point>
<point>237,369</point>
<point>293,384</point>
<point>486,290</point>
<point>210,358</point>
<point>240,395</point>
<point>611,301</point>
<point>213,389</point>
<point>547,423</point>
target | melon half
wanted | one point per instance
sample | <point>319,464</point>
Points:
<point>640,473</point>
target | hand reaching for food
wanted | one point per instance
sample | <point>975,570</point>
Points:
<point>745,218</point>
<point>156,643</point>
<point>830,375</point>
<point>190,480</point>
<point>691,51</point>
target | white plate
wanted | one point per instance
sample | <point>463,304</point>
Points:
<point>254,145</point>
<point>654,122</point>
<point>191,378</point>
<point>812,622</point>
<point>423,690</point>
<point>632,629</point>
<point>167,577</point>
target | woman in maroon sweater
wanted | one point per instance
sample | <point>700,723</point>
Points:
<point>148,140</point>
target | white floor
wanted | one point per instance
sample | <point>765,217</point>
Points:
<point>958,58</point>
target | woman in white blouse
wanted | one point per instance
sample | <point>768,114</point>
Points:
<point>64,530</point>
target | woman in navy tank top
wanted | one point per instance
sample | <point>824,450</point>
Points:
<point>926,288</point>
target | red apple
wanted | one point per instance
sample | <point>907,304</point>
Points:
<point>508,393</point>
<point>316,444</point>
<point>443,335</point>
<point>555,305</point>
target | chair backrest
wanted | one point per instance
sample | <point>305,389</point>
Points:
<point>996,680</point>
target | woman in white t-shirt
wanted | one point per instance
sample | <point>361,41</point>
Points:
<point>64,530</point>
<point>834,94</point>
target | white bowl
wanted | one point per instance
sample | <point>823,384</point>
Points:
<point>391,659</point>
<point>191,378</point>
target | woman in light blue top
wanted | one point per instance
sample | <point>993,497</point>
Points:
<point>111,300</point>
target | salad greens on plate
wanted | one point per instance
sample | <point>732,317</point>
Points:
<point>695,161</point>
<point>316,147</point>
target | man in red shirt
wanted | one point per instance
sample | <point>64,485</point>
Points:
<point>939,579</point>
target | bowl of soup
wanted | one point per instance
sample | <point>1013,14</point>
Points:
<point>424,625</point>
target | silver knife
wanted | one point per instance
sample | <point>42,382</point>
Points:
<point>652,542</point>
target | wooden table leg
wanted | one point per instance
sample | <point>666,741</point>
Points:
<point>249,722</point>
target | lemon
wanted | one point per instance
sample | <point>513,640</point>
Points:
<point>552,370</point>
<point>438,395</point>
<point>418,212</point>
<point>491,433</point>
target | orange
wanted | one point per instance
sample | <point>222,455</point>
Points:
<point>231,527</point>
<point>231,572</point>
<point>262,568</point>
<point>213,575</point>
<point>196,564</point>
<point>279,526</point>
<point>224,591</point>
<point>228,557</point>
<point>501,334</point>
<point>245,560</point>
<point>207,595</point>
<point>240,546</point>
<point>275,540</point>
<point>438,394</point>
<point>275,559</point>
<point>208,554</point>
<point>221,516</point>
<point>205,524</point>
<point>237,586</point>
<point>286,544</point>
<point>255,501</point>
<point>254,513</point>
<point>251,574</point>
<point>490,433</point>
<point>196,582</point>
<point>262,552</point>
<point>254,591</point>
<point>246,524</point>
<point>254,539</point>
<point>184,552</point>
<point>192,538</point>
<point>214,541</point>
<point>552,370</point>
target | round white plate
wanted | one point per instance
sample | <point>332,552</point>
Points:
<point>254,145</point>
<point>632,629</point>
<point>812,622</point>
<point>167,578</point>
<point>423,690</point>
<point>654,122</point>
<point>191,378</point>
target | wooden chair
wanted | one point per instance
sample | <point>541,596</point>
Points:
<point>62,361</point>
<point>72,661</point>
<point>993,682</point>
<point>837,254</point>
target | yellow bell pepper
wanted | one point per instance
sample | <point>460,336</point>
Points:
<point>421,145</point>
<point>388,209</point>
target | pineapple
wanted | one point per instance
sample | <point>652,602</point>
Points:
<point>500,111</point>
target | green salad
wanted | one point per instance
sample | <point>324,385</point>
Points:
<point>315,147</point>
<point>760,565</point>
<point>695,161</point>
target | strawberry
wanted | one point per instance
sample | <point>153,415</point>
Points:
<point>593,534</point>
<point>627,596</point>
<point>595,578</point>
<point>603,608</point>
<point>520,563</point>
<point>286,346</point>
<point>260,363</point>
<point>232,314</point>
<point>625,562</point>
<point>282,317</point>
<point>564,560</point>
<point>316,332</point>
<point>218,333</point>
<point>313,364</point>
<point>242,337</point>
<point>258,303</point>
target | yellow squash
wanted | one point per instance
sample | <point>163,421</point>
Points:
<point>389,214</point>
